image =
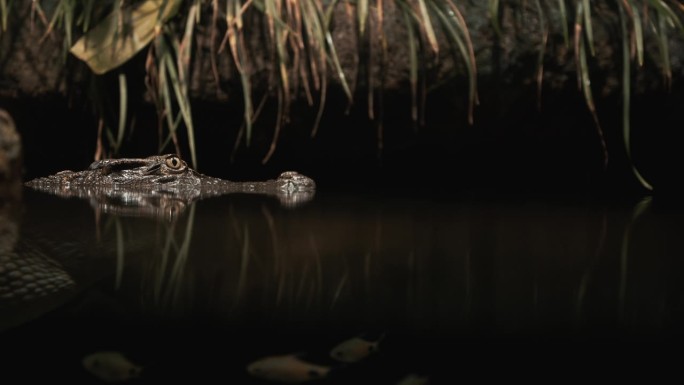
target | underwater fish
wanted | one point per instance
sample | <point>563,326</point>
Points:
<point>290,368</point>
<point>355,349</point>
<point>414,379</point>
<point>111,366</point>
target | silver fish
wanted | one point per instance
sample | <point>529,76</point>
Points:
<point>414,379</point>
<point>288,368</point>
<point>355,349</point>
<point>111,366</point>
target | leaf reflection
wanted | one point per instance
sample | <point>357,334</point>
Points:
<point>638,210</point>
<point>586,277</point>
<point>169,273</point>
<point>540,268</point>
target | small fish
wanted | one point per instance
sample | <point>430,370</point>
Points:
<point>111,366</point>
<point>355,349</point>
<point>414,379</point>
<point>288,368</point>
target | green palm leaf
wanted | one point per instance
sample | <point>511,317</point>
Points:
<point>106,47</point>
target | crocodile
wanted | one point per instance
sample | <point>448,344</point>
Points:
<point>161,183</point>
<point>39,273</point>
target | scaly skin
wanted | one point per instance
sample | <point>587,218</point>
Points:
<point>163,171</point>
<point>136,180</point>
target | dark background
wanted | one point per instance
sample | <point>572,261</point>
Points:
<point>512,148</point>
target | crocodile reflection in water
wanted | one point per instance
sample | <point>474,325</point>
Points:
<point>162,186</point>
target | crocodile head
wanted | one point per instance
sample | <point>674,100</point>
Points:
<point>158,172</point>
<point>154,171</point>
<point>161,186</point>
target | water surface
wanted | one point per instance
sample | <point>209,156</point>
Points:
<point>462,289</point>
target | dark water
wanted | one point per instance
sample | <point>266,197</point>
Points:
<point>462,289</point>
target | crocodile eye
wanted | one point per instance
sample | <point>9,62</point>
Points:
<point>174,163</point>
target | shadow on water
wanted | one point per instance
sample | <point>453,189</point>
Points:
<point>201,294</point>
